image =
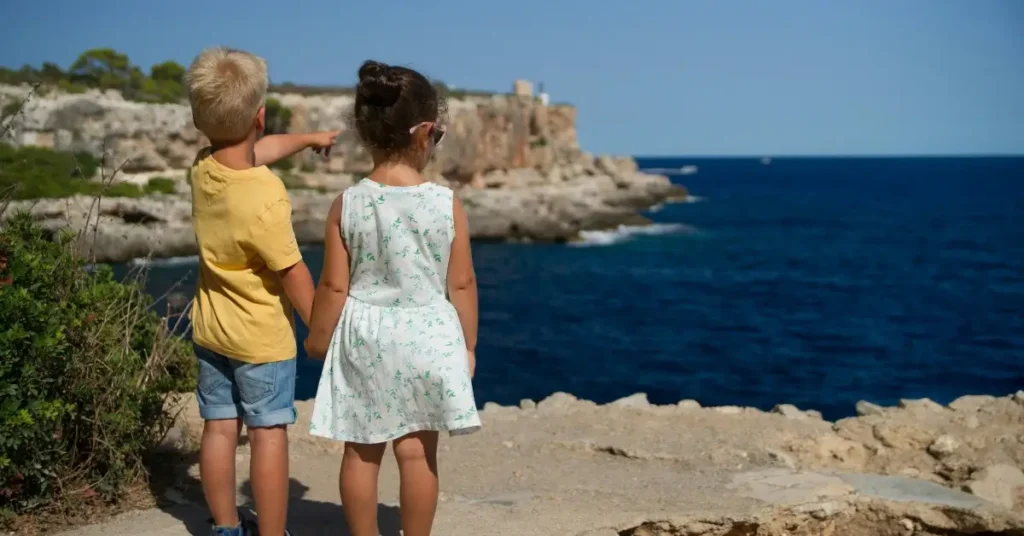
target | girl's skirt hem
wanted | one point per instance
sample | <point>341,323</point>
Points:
<point>453,430</point>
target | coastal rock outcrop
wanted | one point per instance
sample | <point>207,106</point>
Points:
<point>515,162</point>
<point>569,466</point>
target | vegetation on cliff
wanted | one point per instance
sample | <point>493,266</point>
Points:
<point>38,172</point>
<point>106,68</point>
<point>85,364</point>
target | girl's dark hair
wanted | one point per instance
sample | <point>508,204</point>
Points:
<point>389,101</point>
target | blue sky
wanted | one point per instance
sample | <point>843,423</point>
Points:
<point>685,77</point>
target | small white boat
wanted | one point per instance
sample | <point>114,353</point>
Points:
<point>688,170</point>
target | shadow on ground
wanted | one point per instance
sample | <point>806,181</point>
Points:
<point>180,495</point>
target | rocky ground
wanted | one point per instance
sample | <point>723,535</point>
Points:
<point>566,466</point>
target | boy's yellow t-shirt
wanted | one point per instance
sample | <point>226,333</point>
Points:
<point>243,226</point>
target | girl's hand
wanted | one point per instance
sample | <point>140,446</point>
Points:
<point>472,363</point>
<point>311,352</point>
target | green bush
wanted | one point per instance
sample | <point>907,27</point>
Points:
<point>37,172</point>
<point>10,109</point>
<point>117,189</point>
<point>84,363</point>
<point>160,185</point>
<point>278,117</point>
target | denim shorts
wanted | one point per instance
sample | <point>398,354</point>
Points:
<point>262,394</point>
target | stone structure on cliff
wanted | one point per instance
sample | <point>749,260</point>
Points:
<point>516,163</point>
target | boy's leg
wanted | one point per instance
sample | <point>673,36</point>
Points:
<point>217,469</point>
<point>360,466</point>
<point>219,407</point>
<point>417,468</point>
<point>268,397</point>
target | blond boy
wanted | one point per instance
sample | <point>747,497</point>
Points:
<point>251,281</point>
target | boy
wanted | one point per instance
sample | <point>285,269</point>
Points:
<point>251,276</point>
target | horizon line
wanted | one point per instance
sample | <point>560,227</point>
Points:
<point>824,156</point>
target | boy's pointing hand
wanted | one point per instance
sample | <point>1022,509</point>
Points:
<point>321,142</point>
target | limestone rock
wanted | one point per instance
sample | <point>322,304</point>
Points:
<point>557,401</point>
<point>532,181</point>
<point>899,435</point>
<point>865,408</point>
<point>943,446</point>
<point>921,404</point>
<point>688,404</point>
<point>837,449</point>
<point>789,411</point>
<point>997,483</point>
<point>971,403</point>
<point>635,401</point>
<point>526,403</point>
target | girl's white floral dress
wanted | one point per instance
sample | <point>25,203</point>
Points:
<point>397,360</point>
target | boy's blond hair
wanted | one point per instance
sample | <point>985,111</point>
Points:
<point>226,88</point>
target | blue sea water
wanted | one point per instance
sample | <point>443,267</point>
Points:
<point>817,282</point>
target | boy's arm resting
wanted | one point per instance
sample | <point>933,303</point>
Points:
<point>462,280</point>
<point>270,149</point>
<point>276,244</point>
<point>332,292</point>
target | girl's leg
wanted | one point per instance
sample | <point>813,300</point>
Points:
<point>360,466</point>
<point>417,464</point>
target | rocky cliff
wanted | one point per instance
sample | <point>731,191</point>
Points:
<point>515,162</point>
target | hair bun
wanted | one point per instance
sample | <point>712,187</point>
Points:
<point>379,84</point>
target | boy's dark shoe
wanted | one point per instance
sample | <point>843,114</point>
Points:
<point>246,527</point>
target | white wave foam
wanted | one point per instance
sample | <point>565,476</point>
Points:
<point>682,170</point>
<point>693,199</point>
<point>187,259</point>
<point>167,261</point>
<point>627,232</point>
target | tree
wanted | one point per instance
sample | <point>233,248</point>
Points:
<point>51,72</point>
<point>102,67</point>
<point>169,71</point>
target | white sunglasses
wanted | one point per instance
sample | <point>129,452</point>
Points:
<point>437,131</point>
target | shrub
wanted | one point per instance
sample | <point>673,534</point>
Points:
<point>10,109</point>
<point>84,363</point>
<point>160,185</point>
<point>39,172</point>
<point>117,189</point>
<point>278,117</point>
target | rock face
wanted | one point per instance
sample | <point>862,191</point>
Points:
<point>516,164</point>
<point>972,445</point>
<point>564,466</point>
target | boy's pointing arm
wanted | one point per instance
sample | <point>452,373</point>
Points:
<point>270,149</point>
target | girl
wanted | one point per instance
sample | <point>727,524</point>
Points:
<point>400,355</point>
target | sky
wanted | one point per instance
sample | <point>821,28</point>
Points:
<point>649,77</point>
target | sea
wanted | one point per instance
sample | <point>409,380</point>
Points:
<point>816,282</point>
